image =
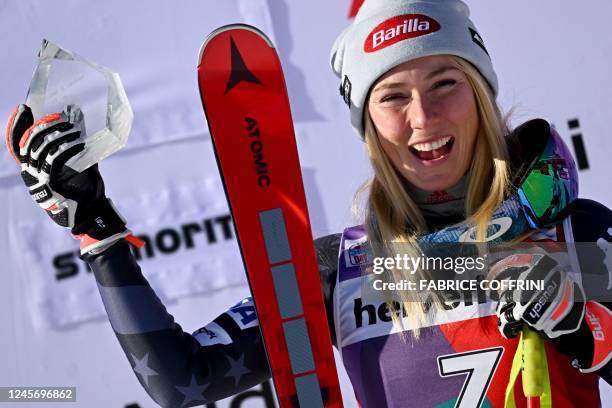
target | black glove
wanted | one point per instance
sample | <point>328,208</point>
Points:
<point>556,310</point>
<point>72,199</point>
<point>580,329</point>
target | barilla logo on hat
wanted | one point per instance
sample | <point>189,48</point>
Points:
<point>399,28</point>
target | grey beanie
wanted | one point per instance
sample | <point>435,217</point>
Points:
<point>387,33</point>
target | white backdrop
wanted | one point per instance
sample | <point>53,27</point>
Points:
<point>552,59</point>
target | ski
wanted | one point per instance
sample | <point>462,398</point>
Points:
<point>246,105</point>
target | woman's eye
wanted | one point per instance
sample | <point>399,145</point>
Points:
<point>444,83</point>
<point>391,98</point>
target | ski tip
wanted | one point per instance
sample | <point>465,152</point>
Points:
<point>229,27</point>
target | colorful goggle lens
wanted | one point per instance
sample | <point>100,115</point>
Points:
<point>551,184</point>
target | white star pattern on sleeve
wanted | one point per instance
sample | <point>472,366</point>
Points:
<point>193,392</point>
<point>237,369</point>
<point>141,367</point>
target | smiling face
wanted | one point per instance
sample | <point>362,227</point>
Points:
<point>426,118</point>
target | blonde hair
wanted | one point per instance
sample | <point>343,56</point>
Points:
<point>393,220</point>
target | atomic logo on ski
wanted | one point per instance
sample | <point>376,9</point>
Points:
<point>240,72</point>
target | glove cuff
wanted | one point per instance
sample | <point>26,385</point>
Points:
<point>93,246</point>
<point>99,220</point>
<point>101,227</point>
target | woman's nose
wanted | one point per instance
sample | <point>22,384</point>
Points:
<point>421,112</point>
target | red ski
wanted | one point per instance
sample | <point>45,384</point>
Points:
<point>245,100</point>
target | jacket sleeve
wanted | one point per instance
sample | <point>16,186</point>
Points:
<point>178,369</point>
<point>327,249</point>
<point>590,229</point>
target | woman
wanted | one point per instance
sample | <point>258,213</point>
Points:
<point>420,87</point>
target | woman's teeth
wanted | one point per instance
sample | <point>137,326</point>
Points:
<point>428,147</point>
<point>434,150</point>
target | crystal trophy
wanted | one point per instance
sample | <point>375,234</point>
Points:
<point>66,82</point>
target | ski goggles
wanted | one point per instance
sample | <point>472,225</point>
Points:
<point>550,184</point>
